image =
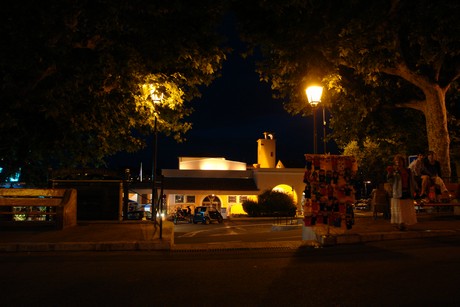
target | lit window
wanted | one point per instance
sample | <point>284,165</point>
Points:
<point>191,199</point>
<point>179,199</point>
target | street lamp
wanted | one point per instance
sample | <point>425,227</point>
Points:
<point>156,99</point>
<point>324,130</point>
<point>314,98</point>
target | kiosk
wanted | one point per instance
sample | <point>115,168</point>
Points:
<point>328,196</point>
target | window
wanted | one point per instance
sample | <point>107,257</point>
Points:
<point>191,199</point>
<point>243,199</point>
<point>232,199</point>
<point>179,199</point>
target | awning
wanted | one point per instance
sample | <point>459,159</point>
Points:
<point>216,184</point>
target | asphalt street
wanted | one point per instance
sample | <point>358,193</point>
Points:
<point>143,236</point>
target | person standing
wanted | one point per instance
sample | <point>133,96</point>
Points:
<point>402,205</point>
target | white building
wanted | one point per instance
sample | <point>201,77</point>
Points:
<point>225,184</point>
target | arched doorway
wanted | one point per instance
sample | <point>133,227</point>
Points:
<point>287,189</point>
<point>212,201</point>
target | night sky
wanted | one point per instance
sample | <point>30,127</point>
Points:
<point>233,113</point>
<point>229,118</point>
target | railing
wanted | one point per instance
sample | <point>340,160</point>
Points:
<point>283,218</point>
<point>38,207</point>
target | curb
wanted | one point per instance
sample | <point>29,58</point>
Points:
<point>242,246</point>
<point>167,245</point>
<point>388,236</point>
<point>86,246</point>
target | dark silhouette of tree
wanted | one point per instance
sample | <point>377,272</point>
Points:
<point>72,75</point>
<point>390,68</point>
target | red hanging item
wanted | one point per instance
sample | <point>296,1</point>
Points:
<point>317,162</point>
<point>334,163</point>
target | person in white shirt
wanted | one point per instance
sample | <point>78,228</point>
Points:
<point>416,173</point>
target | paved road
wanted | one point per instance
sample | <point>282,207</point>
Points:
<point>143,236</point>
<point>417,272</point>
<point>235,231</point>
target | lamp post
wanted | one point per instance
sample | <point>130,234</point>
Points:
<point>314,98</point>
<point>154,168</point>
<point>324,130</point>
<point>156,99</point>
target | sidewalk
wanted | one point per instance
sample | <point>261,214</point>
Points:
<point>367,228</point>
<point>142,236</point>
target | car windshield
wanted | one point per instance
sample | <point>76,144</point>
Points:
<point>201,209</point>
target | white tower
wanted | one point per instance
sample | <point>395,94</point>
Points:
<point>266,151</point>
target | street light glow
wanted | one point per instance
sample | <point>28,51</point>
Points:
<point>156,98</point>
<point>150,91</point>
<point>314,94</point>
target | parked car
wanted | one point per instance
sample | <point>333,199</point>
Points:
<point>362,204</point>
<point>206,215</point>
<point>139,215</point>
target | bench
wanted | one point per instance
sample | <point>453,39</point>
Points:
<point>453,203</point>
<point>38,207</point>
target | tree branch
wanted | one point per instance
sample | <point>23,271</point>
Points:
<point>413,104</point>
<point>437,65</point>
<point>455,78</point>
<point>46,73</point>
<point>401,70</point>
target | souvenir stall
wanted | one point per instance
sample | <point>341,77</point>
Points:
<point>328,196</point>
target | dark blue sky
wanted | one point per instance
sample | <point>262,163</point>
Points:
<point>229,118</point>
<point>235,111</point>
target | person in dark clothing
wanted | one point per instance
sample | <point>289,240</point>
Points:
<point>431,174</point>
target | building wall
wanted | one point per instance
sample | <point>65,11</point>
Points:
<point>229,201</point>
<point>288,180</point>
<point>266,153</point>
<point>228,204</point>
<point>270,178</point>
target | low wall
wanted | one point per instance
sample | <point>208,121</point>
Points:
<point>38,207</point>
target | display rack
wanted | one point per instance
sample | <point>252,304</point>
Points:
<point>329,194</point>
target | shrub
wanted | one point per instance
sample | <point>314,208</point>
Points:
<point>251,207</point>
<point>271,203</point>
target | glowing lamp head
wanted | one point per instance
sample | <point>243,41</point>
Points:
<point>314,94</point>
<point>151,90</point>
<point>156,97</point>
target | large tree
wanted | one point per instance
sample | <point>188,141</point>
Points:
<point>72,74</point>
<point>385,63</point>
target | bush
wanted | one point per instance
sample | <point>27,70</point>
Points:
<point>251,207</point>
<point>271,203</point>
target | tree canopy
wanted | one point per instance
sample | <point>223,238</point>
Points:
<point>390,68</point>
<point>72,73</point>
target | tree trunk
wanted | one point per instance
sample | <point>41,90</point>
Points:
<point>436,126</point>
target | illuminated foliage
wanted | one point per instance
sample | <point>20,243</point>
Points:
<point>72,70</point>
<point>390,68</point>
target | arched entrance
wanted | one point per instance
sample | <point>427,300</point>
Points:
<point>212,201</point>
<point>286,189</point>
